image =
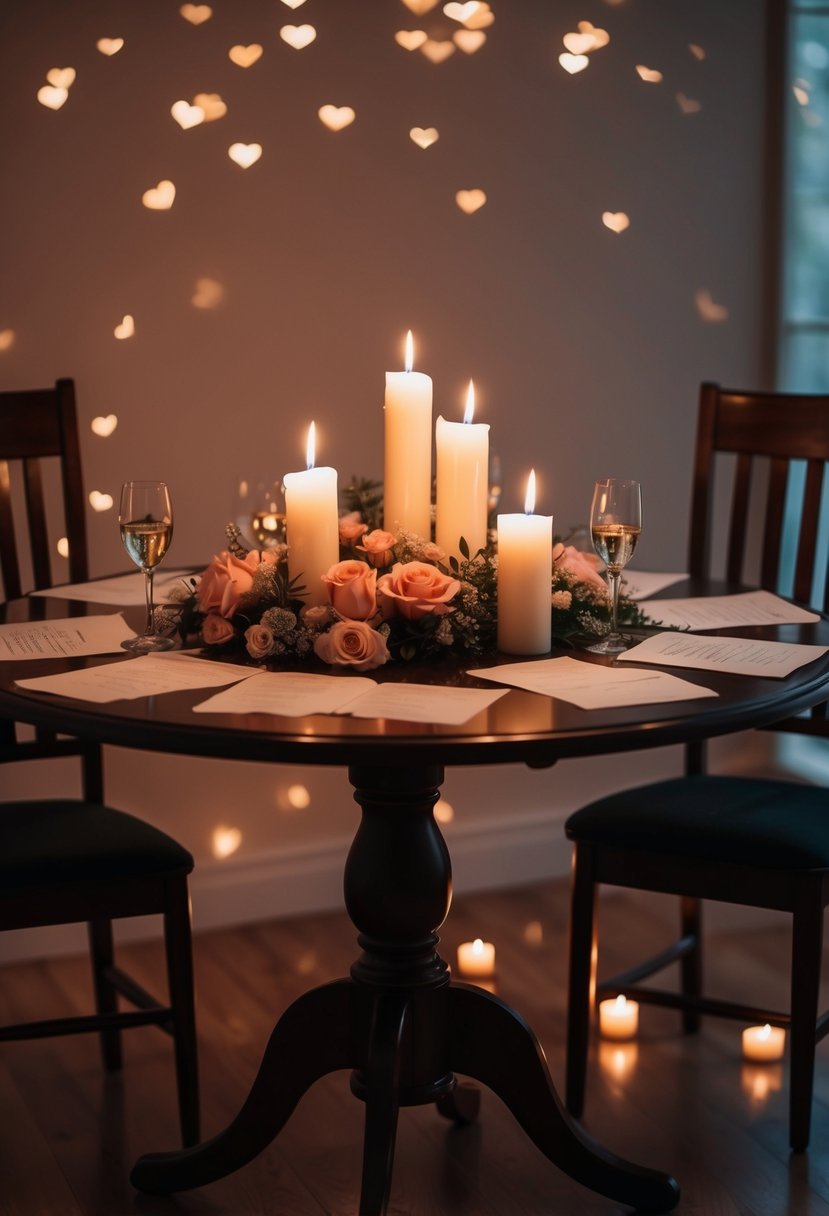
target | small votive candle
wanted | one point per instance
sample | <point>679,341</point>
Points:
<point>764,1042</point>
<point>476,958</point>
<point>618,1018</point>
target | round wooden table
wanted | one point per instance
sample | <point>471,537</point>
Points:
<point>399,1022</point>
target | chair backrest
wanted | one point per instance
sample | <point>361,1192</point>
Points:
<point>36,424</point>
<point>758,494</point>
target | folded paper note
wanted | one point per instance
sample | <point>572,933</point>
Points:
<point>79,635</point>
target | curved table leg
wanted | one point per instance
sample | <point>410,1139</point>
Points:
<point>313,1037</point>
<point>462,1105</point>
<point>517,1072</point>
<point>382,1099</point>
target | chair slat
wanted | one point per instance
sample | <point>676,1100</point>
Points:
<point>38,534</point>
<point>9,565</point>
<point>807,541</point>
<point>773,529</point>
<point>739,519</point>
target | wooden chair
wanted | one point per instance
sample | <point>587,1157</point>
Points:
<point>743,840</point>
<point>62,860</point>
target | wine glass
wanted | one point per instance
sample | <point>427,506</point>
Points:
<point>145,518</point>
<point>615,526</point>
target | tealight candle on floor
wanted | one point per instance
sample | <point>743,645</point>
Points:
<point>764,1042</point>
<point>618,1018</point>
<point>476,958</point>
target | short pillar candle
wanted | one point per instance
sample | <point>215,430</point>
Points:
<point>764,1042</point>
<point>476,958</point>
<point>525,572</point>
<point>618,1018</point>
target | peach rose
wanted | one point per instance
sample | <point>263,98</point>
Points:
<point>227,579</point>
<point>350,527</point>
<point>416,589</point>
<point>379,546</point>
<point>215,630</point>
<point>259,641</point>
<point>352,589</point>
<point>583,566</point>
<point>352,644</point>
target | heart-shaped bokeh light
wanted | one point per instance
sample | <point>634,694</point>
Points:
<point>196,14</point>
<point>245,155</point>
<point>211,104</point>
<point>61,78</point>
<point>336,117</point>
<point>437,52</point>
<point>616,221</point>
<point>298,36</point>
<point>62,546</point>
<point>461,12</point>
<point>103,425</point>
<point>410,40</point>
<point>293,3</point>
<point>52,97</point>
<point>688,105</point>
<point>573,63</point>
<point>109,46</point>
<point>419,7</point>
<point>99,501</point>
<point>160,197</point>
<point>469,41</point>
<point>600,37</point>
<point>649,75</point>
<point>209,293</point>
<point>470,201</point>
<point>578,44</point>
<point>424,137</point>
<point>125,328</point>
<point>245,56</point>
<point>713,313</point>
<point>6,339</point>
<point>186,115</point>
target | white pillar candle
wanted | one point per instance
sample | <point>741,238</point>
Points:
<point>408,467</point>
<point>462,470</point>
<point>476,958</point>
<point>618,1018</point>
<point>311,526</point>
<point>764,1042</point>
<point>525,571</point>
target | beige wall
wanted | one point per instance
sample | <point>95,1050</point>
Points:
<point>586,346</point>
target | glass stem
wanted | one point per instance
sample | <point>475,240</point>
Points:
<point>613,577</point>
<point>148,589</point>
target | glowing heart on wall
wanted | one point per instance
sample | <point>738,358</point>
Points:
<point>424,137</point>
<point>245,155</point>
<point>104,425</point>
<point>187,116</point>
<point>336,117</point>
<point>470,201</point>
<point>616,221</point>
<point>6,339</point>
<point>63,546</point>
<point>209,293</point>
<point>293,3</point>
<point>99,501</point>
<point>211,104</point>
<point>61,78</point>
<point>125,329</point>
<point>225,841</point>
<point>437,52</point>
<point>688,105</point>
<point>469,41</point>
<point>410,40</point>
<point>461,12</point>
<point>481,18</point>
<point>160,197</point>
<point>599,38</point>
<point>650,75</point>
<point>196,13</point>
<point>419,7</point>
<point>708,310</point>
<point>573,63</point>
<point>298,36</point>
<point>52,97</point>
<point>245,56</point>
<point>578,44</point>
<point>109,46</point>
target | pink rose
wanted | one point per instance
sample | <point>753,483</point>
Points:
<point>315,615</point>
<point>227,579</point>
<point>215,630</point>
<point>432,552</point>
<point>582,566</point>
<point>417,589</point>
<point>352,589</point>
<point>352,644</point>
<point>351,528</point>
<point>259,641</point>
<point>379,546</point>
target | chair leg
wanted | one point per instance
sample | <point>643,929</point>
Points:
<point>179,951</point>
<point>106,998</point>
<point>691,964</point>
<point>582,977</point>
<point>807,945</point>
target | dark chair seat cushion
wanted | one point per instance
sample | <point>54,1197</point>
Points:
<point>46,843</point>
<point>778,825</point>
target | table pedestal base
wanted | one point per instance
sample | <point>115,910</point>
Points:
<point>402,1028</point>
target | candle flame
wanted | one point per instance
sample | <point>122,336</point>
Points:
<point>765,1032</point>
<point>310,448</point>
<point>478,946</point>
<point>470,403</point>
<point>529,501</point>
<point>621,1001</point>
<point>409,351</point>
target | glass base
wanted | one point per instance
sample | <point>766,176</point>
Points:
<point>611,645</point>
<point>146,643</point>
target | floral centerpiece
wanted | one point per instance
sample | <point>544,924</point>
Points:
<point>392,596</point>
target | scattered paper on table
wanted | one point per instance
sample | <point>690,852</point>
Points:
<point>53,639</point>
<point>727,611</point>
<point>291,694</point>
<point>740,656</point>
<point>639,584</point>
<point>424,703</point>
<point>592,685</point>
<point>126,590</point>
<point>145,676</point>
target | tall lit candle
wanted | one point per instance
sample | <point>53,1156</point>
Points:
<point>462,467</point>
<point>408,465</point>
<point>525,568</point>
<point>311,525</point>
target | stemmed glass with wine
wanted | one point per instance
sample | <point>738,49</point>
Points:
<point>145,518</point>
<point>615,527</point>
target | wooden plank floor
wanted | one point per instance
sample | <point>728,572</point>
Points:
<point>69,1134</point>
